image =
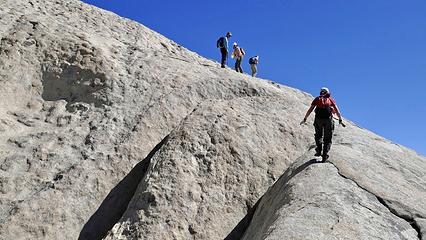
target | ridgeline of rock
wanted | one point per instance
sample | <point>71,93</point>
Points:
<point>110,130</point>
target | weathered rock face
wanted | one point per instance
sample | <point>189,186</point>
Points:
<point>109,130</point>
<point>316,201</point>
<point>213,168</point>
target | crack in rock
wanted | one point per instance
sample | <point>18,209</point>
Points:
<point>292,171</point>
<point>410,220</point>
<point>241,227</point>
<point>115,204</point>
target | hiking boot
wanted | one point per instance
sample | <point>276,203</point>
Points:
<point>325,156</point>
<point>318,151</point>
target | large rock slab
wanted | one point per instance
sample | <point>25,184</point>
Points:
<point>86,95</point>
<point>391,173</point>
<point>213,169</point>
<point>313,201</point>
<point>107,127</point>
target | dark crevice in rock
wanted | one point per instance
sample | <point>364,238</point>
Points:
<point>60,175</point>
<point>34,24</point>
<point>382,201</point>
<point>116,202</point>
<point>241,227</point>
<point>408,219</point>
<point>239,231</point>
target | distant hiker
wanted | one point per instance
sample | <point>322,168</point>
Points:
<point>238,54</point>
<point>324,106</point>
<point>222,43</point>
<point>253,61</point>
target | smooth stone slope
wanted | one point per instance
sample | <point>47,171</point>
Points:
<point>86,95</point>
<point>314,201</point>
<point>110,130</point>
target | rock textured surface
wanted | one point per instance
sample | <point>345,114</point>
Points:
<point>110,130</point>
<point>315,201</point>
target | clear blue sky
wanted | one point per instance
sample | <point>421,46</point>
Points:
<point>370,53</point>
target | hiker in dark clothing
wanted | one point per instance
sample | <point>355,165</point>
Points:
<point>222,43</point>
<point>324,106</point>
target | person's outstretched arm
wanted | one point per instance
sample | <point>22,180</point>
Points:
<point>308,113</point>
<point>338,112</point>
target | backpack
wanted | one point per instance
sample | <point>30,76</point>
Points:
<point>242,52</point>
<point>324,108</point>
<point>252,61</point>
<point>220,42</point>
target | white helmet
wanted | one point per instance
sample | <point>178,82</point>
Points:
<point>324,89</point>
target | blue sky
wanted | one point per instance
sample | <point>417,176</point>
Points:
<point>370,53</point>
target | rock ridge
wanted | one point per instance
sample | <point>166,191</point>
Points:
<point>284,183</point>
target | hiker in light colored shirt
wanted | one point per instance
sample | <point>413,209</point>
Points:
<point>238,55</point>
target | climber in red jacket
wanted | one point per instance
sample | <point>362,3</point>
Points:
<point>324,106</point>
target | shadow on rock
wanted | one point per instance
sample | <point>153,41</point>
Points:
<point>115,204</point>
<point>74,84</point>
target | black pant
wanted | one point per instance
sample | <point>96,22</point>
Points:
<point>324,128</point>
<point>238,67</point>
<point>224,53</point>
